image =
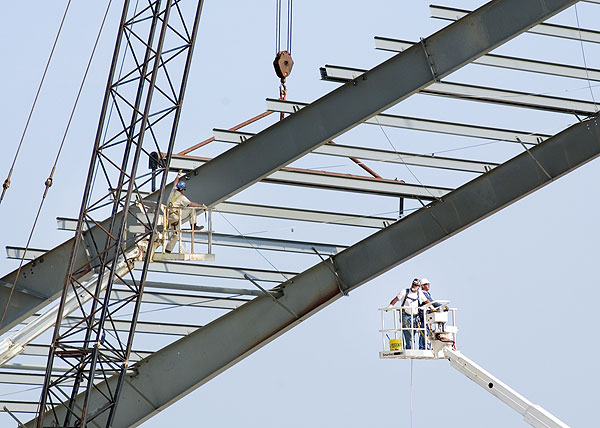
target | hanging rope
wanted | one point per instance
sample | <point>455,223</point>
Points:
<point>283,62</point>
<point>49,181</point>
<point>6,183</point>
<point>411,393</point>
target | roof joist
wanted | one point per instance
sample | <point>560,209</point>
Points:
<point>418,124</point>
<point>509,62</point>
<point>562,31</point>
<point>375,155</point>
<point>480,93</point>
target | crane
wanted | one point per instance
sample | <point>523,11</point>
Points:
<point>139,116</point>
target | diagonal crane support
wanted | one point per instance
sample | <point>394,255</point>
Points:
<point>387,84</point>
<point>185,365</point>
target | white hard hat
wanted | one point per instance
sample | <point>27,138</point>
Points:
<point>425,281</point>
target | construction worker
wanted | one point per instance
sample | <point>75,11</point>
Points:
<point>411,298</point>
<point>180,211</point>
<point>425,285</point>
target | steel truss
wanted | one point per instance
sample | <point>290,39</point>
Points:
<point>144,95</point>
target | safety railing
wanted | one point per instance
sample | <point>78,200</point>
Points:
<point>172,222</point>
<point>410,332</point>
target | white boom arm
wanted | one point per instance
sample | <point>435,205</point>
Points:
<point>533,414</point>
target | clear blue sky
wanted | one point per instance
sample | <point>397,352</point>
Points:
<point>525,280</point>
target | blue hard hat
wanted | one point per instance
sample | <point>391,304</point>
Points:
<point>181,185</point>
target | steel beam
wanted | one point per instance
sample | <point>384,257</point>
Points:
<point>480,93</point>
<point>38,350</point>
<point>201,288</point>
<point>476,34</point>
<point>197,269</point>
<point>331,181</point>
<point>285,213</point>
<point>341,150</point>
<point>217,239</point>
<point>419,124</point>
<point>562,31</point>
<point>217,346</point>
<point>342,219</point>
<point>502,61</point>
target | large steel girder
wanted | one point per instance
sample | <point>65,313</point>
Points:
<point>376,90</point>
<point>176,370</point>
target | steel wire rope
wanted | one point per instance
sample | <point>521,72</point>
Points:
<point>251,244</point>
<point>584,60</point>
<point>6,183</point>
<point>406,165</point>
<point>277,25</point>
<point>49,181</point>
<point>289,27</point>
<point>20,391</point>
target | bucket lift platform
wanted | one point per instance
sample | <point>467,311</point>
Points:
<point>431,334</point>
<point>418,336</point>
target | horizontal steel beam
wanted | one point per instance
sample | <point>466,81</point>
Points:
<point>481,93</point>
<point>19,406</point>
<point>331,181</point>
<point>562,31</point>
<point>197,269</point>
<point>376,155</point>
<point>200,288</point>
<point>342,219</point>
<point>145,327</point>
<point>220,239</point>
<point>285,213</point>
<point>39,350</point>
<point>418,124</point>
<point>501,61</point>
<point>229,339</point>
<point>177,299</point>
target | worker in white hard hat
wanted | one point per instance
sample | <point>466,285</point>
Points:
<point>411,299</point>
<point>180,211</point>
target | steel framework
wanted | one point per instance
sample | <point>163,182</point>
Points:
<point>145,90</point>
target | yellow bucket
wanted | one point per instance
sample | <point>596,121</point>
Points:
<point>395,344</point>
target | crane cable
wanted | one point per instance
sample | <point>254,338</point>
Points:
<point>49,180</point>
<point>283,62</point>
<point>6,183</point>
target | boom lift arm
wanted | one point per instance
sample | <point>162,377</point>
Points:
<point>533,414</point>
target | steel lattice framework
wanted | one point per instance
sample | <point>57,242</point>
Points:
<point>139,115</point>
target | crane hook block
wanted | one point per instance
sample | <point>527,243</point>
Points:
<point>283,64</point>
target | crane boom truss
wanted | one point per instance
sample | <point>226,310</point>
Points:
<point>144,93</point>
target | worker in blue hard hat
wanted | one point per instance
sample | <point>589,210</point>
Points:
<point>181,210</point>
